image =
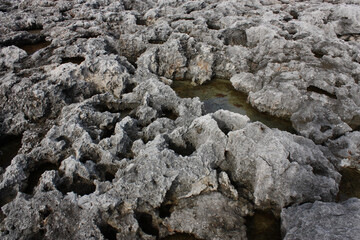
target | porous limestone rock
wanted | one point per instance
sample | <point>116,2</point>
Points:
<point>321,220</point>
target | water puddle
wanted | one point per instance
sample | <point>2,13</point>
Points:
<point>220,94</point>
<point>9,148</point>
<point>263,226</point>
<point>31,48</point>
<point>349,185</point>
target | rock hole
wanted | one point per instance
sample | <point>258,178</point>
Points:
<point>213,25</point>
<point>106,173</point>
<point>105,107</point>
<point>33,47</point>
<point>146,223</point>
<point>80,186</point>
<point>156,41</point>
<point>129,88</point>
<point>325,128</point>
<point>169,113</point>
<point>38,235</point>
<point>166,206</point>
<point>263,225</point>
<point>75,60</point>
<point>65,139</point>
<point>108,231</point>
<point>90,155</point>
<point>318,53</point>
<point>186,150</point>
<point>222,125</point>
<point>7,195</point>
<point>234,37</point>
<point>140,21</point>
<point>107,132</point>
<point>180,236</point>
<point>33,179</point>
<point>45,212</point>
<point>9,147</point>
<point>184,18</point>
<point>349,185</point>
<point>321,91</point>
<point>294,14</point>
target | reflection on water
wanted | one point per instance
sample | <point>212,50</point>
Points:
<point>220,94</point>
<point>9,147</point>
<point>263,226</point>
<point>349,185</point>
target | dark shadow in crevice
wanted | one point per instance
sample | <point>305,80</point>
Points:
<point>318,53</point>
<point>75,60</point>
<point>167,205</point>
<point>140,21</point>
<point>183,18</point>
<point>90,155</point>
<point>222,126</point>
<point>38,235</point>
<point>108,231</point>
<point>349,185</point>
<point>7,195</point>
<point>169,113</point>
<point>146,223</point>
<point>107,132</point>
<point>66,140</point>
<point>186,150</point>
<point>156,41</point>
<point>35,175</point>
<point>321,91</point>
<point>9,147</point>
<point>106,173</point>
<point>129,87</point>
<point>324,128</point>
<point>213,25</point>
<point>104,107</point>
<point>79,186</point>
<point>234,37</point>
<point>294,14</point>
<point>180,236</point>
<point>263,225</point>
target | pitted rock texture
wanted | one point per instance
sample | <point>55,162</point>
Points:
<point>322,220</point>
<point>108,149</point>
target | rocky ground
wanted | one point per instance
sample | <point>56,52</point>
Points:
<point>96,144</point>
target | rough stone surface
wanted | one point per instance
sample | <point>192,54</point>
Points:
<point>322,220</point>
<point>95,143</point>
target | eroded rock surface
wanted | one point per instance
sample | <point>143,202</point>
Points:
<point>109,151</point>
<point>322,220</point>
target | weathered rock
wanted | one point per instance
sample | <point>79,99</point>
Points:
<point>322,220</point>
<point>109,151</point>
<point>278,168</point>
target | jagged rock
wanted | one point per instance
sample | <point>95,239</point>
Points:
<point>322,220</point>
<point>108,149</point>
<point>220,216</point>
<point>278,168</point>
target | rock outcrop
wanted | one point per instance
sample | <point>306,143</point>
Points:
<point>95,144</point>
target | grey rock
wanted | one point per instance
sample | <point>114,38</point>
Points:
<point>321,220</point>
